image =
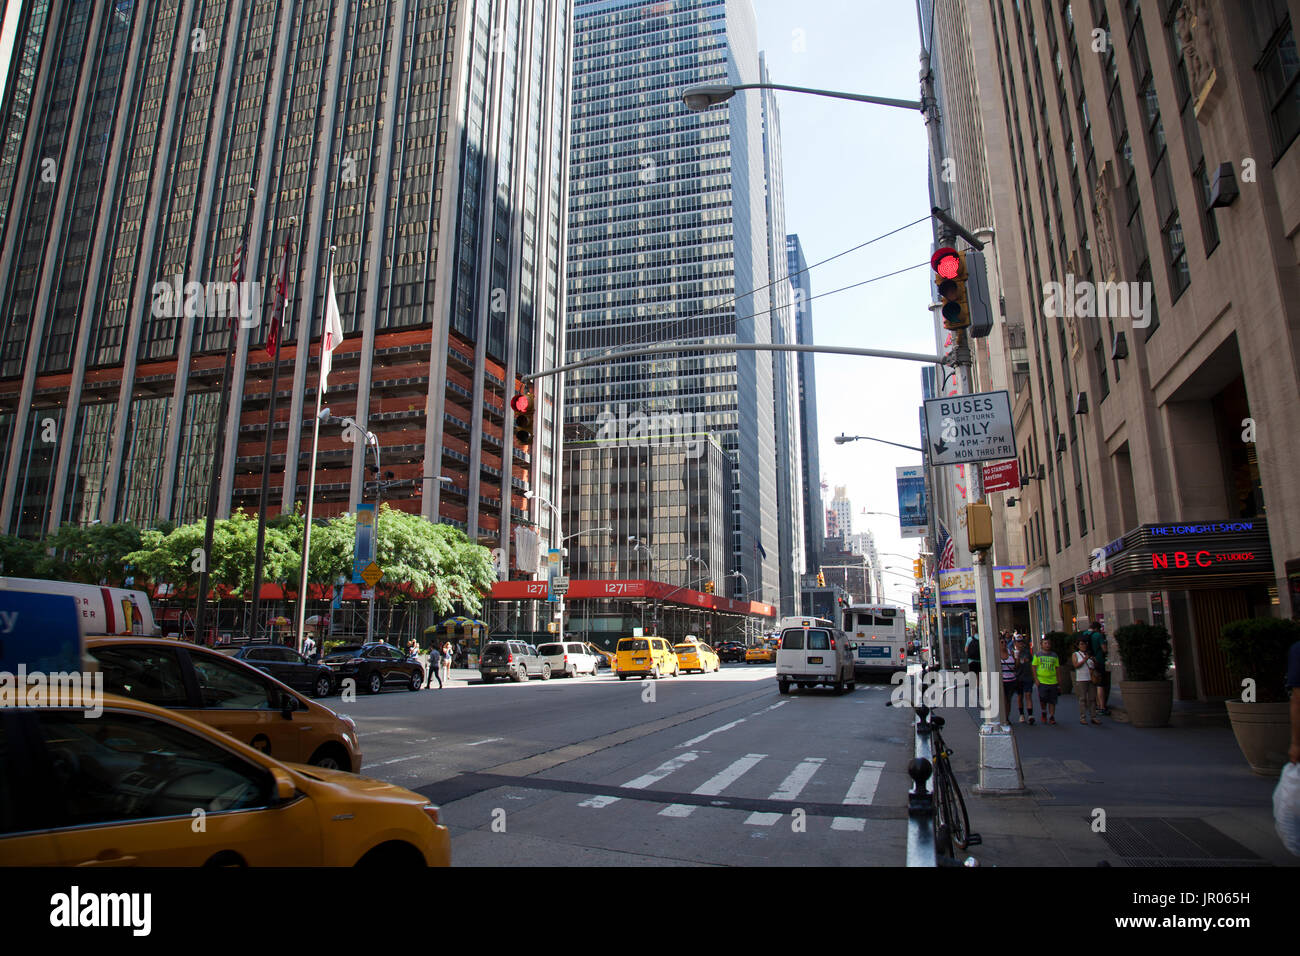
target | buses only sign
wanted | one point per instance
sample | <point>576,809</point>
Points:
<point>961,429</point>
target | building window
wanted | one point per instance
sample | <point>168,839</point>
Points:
<point>1278,70</point>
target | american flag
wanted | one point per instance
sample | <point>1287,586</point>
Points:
<point>237,273</point>
<point>947,549</point>
<point>277,312</point>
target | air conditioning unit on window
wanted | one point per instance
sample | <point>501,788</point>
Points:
<point>1081,404</point>
<point>1119,347</point>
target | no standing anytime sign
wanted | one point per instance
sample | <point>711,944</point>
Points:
<point>961,429</point>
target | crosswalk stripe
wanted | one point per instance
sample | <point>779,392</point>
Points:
<point>793,785</point>
<point>863,789</point>
<point>645,780</point>
<point>715,784</point>
<point>762,819</point>
<point>848,823</point>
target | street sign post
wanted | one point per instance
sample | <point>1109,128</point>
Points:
<point>372,574</point>
<point>1004,476</point>
<point>963,429</point>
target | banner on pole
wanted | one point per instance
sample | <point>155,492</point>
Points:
<point>363,551</point>
<point>913,520</point>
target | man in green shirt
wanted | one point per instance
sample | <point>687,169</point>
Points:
<point>1046,664</point>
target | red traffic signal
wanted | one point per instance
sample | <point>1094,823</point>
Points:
<point>520,403</point>
<point>946,262</point>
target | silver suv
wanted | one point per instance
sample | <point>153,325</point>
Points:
<point>513,659</point>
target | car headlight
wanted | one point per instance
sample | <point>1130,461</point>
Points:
<point>431,812</point>
<point>352,724</point>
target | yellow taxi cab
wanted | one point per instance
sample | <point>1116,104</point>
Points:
<point>609,658</point>
<point>645,657</point>
<point>694,656</point>
<point>249,704</point>
<point>127,786</point>
<point>763,653</point>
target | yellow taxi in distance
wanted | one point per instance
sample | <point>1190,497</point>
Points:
<point>645,657</point>
<point>764,653</point>
<point>250,705</point>
<point>124,787</point>
<point>694,656</point>
<point>610,659</point>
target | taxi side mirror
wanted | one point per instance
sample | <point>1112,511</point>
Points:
<point>288,704</point>
<point>284,786</point>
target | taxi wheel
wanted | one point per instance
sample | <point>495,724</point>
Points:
<point>654,672</point>
<point>622,677</point>
<point>376,682</point>
<point>330,757</point>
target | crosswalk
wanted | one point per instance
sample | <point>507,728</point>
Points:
<point>734,779</point>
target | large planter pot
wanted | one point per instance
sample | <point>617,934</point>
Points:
<point>1263,733</point>
<point>1148,702</point>
<point>1065,680</point>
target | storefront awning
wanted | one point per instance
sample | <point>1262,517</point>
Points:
<point>1180,557</point>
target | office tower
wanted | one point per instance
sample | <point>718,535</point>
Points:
<point>668,241</point>
<point>425,141</point>
<point>1150,147</point>
<point>810,456</point>
<point>843,509</point>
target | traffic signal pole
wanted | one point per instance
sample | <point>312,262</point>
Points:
<point>999,758</point>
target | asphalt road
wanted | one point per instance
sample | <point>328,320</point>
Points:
<point>702,769</point>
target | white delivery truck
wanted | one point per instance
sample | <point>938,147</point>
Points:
<point>100,610</point>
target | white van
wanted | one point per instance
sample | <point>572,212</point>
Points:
<point>570,658</point>
<point>815,652</point>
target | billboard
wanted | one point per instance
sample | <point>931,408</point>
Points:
<point>913,515</point>
<point>363,551</point>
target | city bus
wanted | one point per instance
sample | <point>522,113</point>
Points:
<point>878,636</point>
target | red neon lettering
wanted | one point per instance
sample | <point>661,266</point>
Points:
<point>1159,561</point>
<point>1199,562</point>
<point>1180,559</point>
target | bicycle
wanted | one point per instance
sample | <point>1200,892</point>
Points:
<point>951,821</point>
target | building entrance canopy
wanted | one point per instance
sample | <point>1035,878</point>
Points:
<point>637,589</point>
<point>1180,557</point>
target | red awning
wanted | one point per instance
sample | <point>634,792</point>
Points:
<point>639,588</point>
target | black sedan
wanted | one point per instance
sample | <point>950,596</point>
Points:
<point>729,651</point>
<point>287,666</point>
<point>374,667</point>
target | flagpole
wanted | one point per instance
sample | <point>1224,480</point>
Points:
<point>259,561</point>
<point>219,446</point>
<point>311,471</point>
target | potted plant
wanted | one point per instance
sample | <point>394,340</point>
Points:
<point>1256,649</point>
<point>1146,653</point>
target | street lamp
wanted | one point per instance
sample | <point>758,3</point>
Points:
<point>708,95</point>
<point>844,439</point>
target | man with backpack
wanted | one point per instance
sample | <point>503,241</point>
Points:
<point>1101,676</point>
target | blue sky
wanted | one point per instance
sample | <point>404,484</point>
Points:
<point>852,172</point>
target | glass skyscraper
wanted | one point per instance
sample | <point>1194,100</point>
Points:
<point>669,241</point>
<point>425,140</point>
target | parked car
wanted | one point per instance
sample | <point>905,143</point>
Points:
<point>731,652</point>
<point>251,706</point>
<point>604,658</point>
<point>570,658</point>
<point>375,666</point>
<point>513,659</point>
<point>122,787</point>
<point>694,656</point>
<point>287,666</point>
<point>646,656</point>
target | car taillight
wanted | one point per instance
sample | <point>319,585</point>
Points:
<point>566,658</point>
<point>832,643</point>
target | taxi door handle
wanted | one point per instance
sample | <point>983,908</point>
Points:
<point>105,860</point>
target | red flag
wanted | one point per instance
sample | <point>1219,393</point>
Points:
<point>277,311</point>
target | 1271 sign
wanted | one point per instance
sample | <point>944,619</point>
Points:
<point>961,429</point>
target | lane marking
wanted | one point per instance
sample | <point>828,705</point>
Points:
<point>598,802</point>
<point>715,784</point>
<point>757,819</point>
<point>385,763</point>
<point>793,785</point>
<point>848,823</point>
<point>717,730</point>
<point>863,790</point>
<point>779,703</point>
<point>490,740</point>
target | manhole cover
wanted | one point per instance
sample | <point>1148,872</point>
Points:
<point>1174,841</point>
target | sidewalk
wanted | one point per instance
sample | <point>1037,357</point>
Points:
<point>1181,795</point>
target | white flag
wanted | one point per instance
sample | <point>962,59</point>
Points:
<point>333,335</point>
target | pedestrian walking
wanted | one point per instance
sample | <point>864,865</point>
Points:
<point>1025,677</point>
<point>973,654</point>
<point>1010,681</point>
<point>1099,647</point>
<point>435,666</point>
<point>308,647</point>
<point>1084,669</point>
<point>1046,664</point>
<point>446,661</point>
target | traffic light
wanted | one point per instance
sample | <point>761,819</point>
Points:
<point>949,267</point>
<point>708,587</point>
<point>917,569</point>
<point>821,580</point>
<point>522,406</point>
<point>979,526</point>
<point>963,286</point>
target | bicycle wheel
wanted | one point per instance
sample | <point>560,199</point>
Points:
<point>954,806</point>
<point>942,832</point>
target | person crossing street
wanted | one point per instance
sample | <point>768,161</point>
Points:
<point>435,666</point>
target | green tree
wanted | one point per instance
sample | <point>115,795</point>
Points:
<point>21,558</point>
<point>91,555</point>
